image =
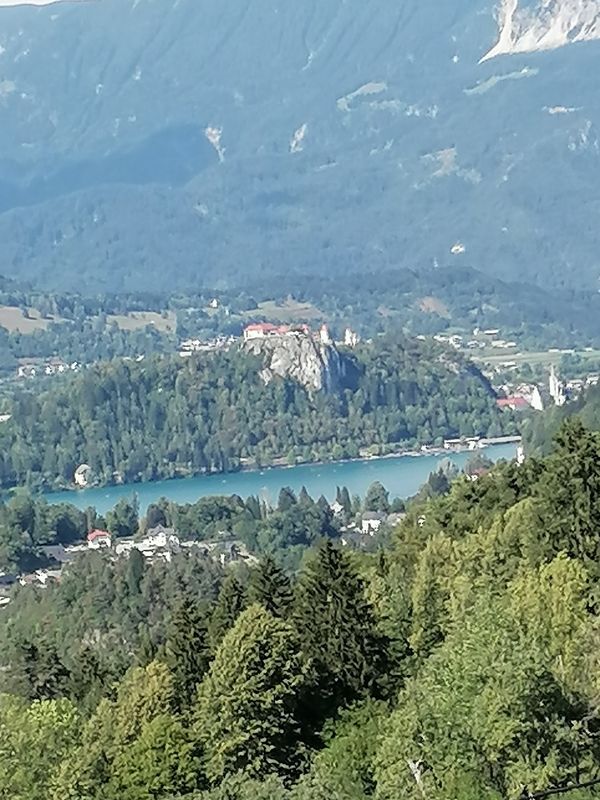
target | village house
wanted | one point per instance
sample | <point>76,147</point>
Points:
<point>469,442</point>
<point>513,402</point>
<point>225,551</point>
<point>7,580</point>
<point>337,509</point>
<point>41,578</point>
<point>159,543</point>
<point>98,539</point>
<point>371,522</point>
<point>58,553</point>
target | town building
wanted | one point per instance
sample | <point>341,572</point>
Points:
<point>7,581</point>
<point>513,402</point>
<point>464,443</point>
<point>58,554</point>
<point>351,339</point>
<point>337,509</point>
<point>325,336</point>
<point>159,543</point>
<point>371,522</point>
<point>82,475</point>
<point>557,392</point>
<point>265,330</point>
<point>98,539</point>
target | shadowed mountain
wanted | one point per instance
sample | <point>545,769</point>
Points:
<point>252,138</point>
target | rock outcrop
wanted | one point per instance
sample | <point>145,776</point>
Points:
<point>528,27</point>
<point>317,366</point>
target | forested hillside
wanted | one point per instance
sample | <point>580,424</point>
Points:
<point>164,417</point>
<point>460,662</point>
<point>540,430</point>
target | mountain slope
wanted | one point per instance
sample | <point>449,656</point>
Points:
<point>225,141</point>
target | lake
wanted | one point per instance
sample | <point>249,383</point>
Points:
<point>401,475</point>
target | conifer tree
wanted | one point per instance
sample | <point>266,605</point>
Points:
<point>304,499</point>
<point>345,500</point>
<point>286,500</point>
<point>247,713</point>
<point>377,498</point>
<point>271,587</point>
<point>230,603</point>
<point>38,672</point>
<point>338,631</point>
<point>187,650</point>
<point>88,678</point>
<point>570,492</point>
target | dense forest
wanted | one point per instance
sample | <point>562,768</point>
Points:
<point>457,662</point>
<point>165,417</point>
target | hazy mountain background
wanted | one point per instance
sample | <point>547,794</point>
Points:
<point>166,143</point>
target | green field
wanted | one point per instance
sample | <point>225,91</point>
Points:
<point>544,358</point>
<point>290,311</point>
<point>141,319</point>
<point>13,319</point>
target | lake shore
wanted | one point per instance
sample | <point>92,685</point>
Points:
<point>401,474</point>
<point>281,463</point>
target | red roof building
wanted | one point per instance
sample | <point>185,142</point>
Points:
<point>515,403</point>
<point>260,330</point>
<point>98,538</point>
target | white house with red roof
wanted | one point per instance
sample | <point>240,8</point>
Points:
<point>97,539</point>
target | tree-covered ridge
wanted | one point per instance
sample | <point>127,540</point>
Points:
<point>460,662</point>
<point>540,430</point>
<point>163,417</point>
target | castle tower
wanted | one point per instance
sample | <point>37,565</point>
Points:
<point>325,336</point>
<point>556,388</point>
<point>350,338</point>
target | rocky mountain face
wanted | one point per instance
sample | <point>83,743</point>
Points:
<point>195,141</point>
<point>529,27</point>
<point>318,367</point>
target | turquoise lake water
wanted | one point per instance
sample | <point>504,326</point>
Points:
<point>401,475</point>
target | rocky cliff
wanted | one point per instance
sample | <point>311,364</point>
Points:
<point>318,367</point>
<point>528,27</point>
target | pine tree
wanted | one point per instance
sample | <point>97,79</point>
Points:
<point>88,678</point>
<point>230,603</point>
<point>377,498</point>
<point>345,500</point>
<point>136,567</point>
<point>38,672</point>
<point>52,675</point>
<point>271,587</point>
<point>246,718</point>
<point>338,631</point>
<point>155,515</point>
<point>286,500</point>
<point>304,499</point>
<point>570,491</point>
<point>186,650</point>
